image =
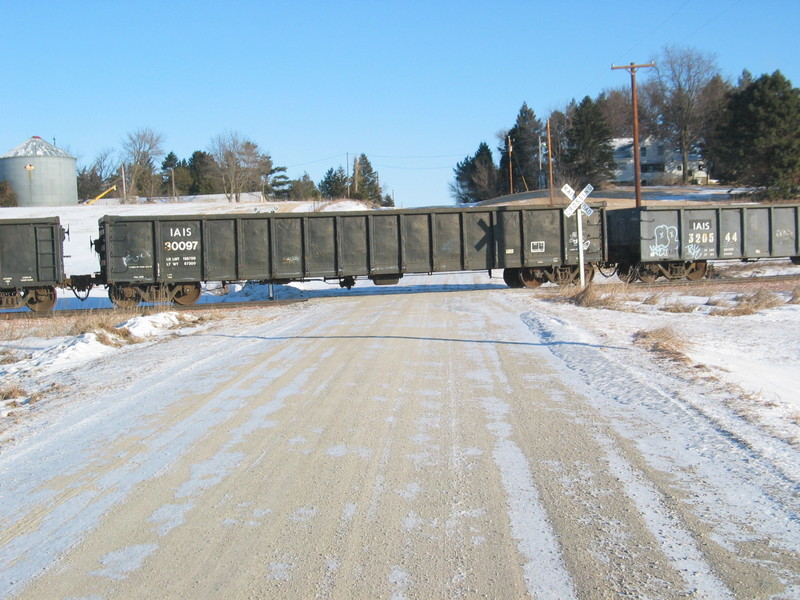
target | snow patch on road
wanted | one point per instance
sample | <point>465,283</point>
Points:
<point>121,562</point>
<point>545,574</point>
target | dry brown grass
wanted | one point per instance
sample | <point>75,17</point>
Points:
<point>58,326</point>
<point>749,304</point>
<point>592,296</point>
<point>90,322</point>
<point>7,357</point>
<point>9,392</point>
<point>677,307</point>
<point>795,299</point>
<point>653,299</point>
<point>662,341</point>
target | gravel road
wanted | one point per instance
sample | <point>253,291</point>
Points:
<point>418,445</point>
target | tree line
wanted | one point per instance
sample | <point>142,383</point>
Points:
<point>232,165</point>
<point>746,133</point>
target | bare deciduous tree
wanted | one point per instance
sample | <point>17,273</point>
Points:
<point>99,176</point>
<point>141,151</point>
<point>242,165</point>
<point>683,97</point>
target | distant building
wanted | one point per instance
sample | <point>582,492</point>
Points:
<point>40,174</point>
<point>660,163</point>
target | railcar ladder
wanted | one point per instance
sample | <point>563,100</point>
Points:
<point>46,265</point>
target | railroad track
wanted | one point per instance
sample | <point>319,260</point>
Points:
<point>251,304</point>
<point>146,310</point>
<point>750,280</point>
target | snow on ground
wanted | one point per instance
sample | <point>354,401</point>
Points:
<point>756,357</point>
<point>741,372</point>
<point>751,360</point>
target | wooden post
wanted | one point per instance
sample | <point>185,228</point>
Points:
<point>637,170</point>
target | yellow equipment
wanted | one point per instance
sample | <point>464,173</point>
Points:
<point>111,189</point>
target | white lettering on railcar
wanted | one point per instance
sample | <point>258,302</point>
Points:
<point>181,246</point>
<point>538,246</point>
<point>180,231</point>
<point>700,238</point>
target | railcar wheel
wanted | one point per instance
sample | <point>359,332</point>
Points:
<point>697,270</point>
<point>512,278</point>
<point>41,299</point>
<point>626,273</point>
<point>646,274</point>
<point>187,293</point>
<point>795,260</point>
<point>565,275</point>
<point>123,296</point>
<point>531,278</point>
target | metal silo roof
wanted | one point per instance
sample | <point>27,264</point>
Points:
<point>35,146</point>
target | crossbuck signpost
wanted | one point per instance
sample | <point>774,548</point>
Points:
<point>578,202</point>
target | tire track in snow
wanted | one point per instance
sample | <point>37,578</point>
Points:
<point>544,572</point>
<point>745,496</point>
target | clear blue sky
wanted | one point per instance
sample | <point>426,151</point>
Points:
<point>414,85</point>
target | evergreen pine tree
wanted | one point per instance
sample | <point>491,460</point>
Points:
<point>204,174</point>
<point>524,138</point>
<point>365,184</point>
<point>303,189</point>
<point>589,156</point>
<point>334,184</point>
<point>174,171</point>
<point>475,177</point>
<point>757,142</point>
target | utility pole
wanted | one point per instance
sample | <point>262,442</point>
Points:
<point>124,185</point>
<point>637,170</point>
<point>355,176</point>
<point>550,161</point>
<point>510,171</point>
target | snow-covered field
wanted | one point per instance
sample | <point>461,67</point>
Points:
<point>757,355</point>
<point>740,372</point>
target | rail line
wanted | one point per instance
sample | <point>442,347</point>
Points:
<point>251,304</point>
<point>750,280</point>
<point>146,310</point>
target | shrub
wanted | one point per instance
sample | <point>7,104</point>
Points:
<point>7,195</point>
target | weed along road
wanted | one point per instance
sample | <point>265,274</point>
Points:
<point>446,443</point>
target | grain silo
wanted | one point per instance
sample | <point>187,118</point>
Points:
<point>40,174</point>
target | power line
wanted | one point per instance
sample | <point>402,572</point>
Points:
<point>389,156</point>
<point>711,20</point>
<point>417,157</point>
<point>318,160</point>
<point>650,33</point>
<point>414,168</point>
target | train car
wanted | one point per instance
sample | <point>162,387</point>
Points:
<point>651,242</point>
<point>31,262</point>
<point>166,258</point>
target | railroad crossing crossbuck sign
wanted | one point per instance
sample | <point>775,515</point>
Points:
<point>578,202</point>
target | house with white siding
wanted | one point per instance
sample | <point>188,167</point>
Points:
<point>660,163</point>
